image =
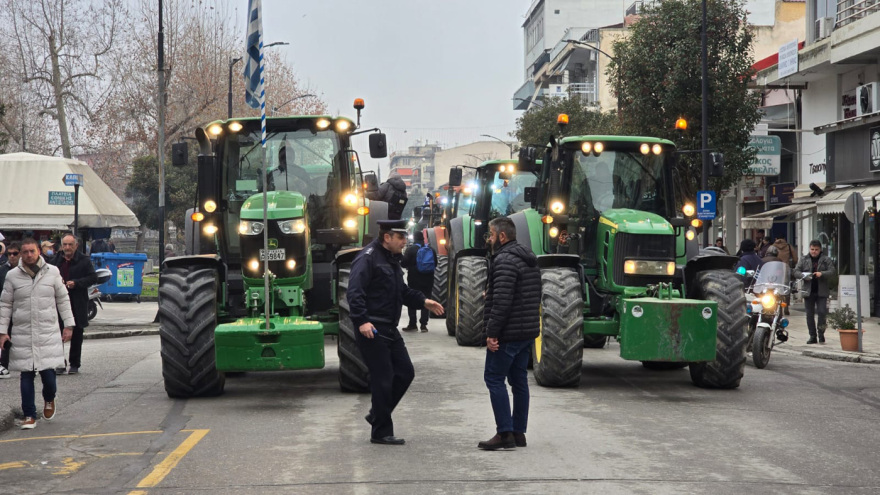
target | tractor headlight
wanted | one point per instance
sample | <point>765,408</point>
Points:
<point>350,223</point>
<point>210,206</point>
<point>323,124</point>
<point>557,207</point>
<point>768,301</point>
<point>295,226</point>
<point>291,264</point>
<point>350,199</point>
<point>254,265</point>
<point>644,267</point>
<point>342,125</point>
<point>554,231</point>
<point>249,227</point>
<point>210,229</point>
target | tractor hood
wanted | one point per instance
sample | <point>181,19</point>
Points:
<point>282,204</point>
<point>636,222</point>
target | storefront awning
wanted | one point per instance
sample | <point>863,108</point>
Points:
<point>833,202</point>
<point>765,220</point>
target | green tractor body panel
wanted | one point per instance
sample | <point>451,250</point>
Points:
<point>283,205</point>
<point>291,343</point>
<point>667,329</point>
<point>536,231</point>
<point>613,223</point>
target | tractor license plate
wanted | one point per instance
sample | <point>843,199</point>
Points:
<point>274,255</point>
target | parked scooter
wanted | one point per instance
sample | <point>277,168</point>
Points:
<point>95,293</point>
<point>768,293</point>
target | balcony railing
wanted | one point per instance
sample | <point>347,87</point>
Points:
<point>852,10</point>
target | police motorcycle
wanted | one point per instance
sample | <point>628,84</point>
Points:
<point>95,293</point>
<point>766,297</point>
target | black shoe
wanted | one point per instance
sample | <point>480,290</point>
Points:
<point>519,439</point>
<point>73,370</point>
<point>370,417</point>
<point>410,328</point>
<point>501,441</point>
<point>390,440</point>
<point>812,340</point>
<point>821,340</point>
<point>424,328</point>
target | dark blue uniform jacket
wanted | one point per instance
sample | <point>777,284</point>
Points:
<point>376,292</point>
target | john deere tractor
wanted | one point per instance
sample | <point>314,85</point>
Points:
<point>212,300</point>
<point>497,189</point>
<point>618,260</point>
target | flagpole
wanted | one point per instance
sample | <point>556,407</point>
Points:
<point>265,181</point>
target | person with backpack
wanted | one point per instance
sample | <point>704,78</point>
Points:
<point>419,260</point>
<point>393,192</point>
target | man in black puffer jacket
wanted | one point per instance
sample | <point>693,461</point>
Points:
<point>512,318</point>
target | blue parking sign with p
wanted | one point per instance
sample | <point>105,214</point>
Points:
<point>706,205</point>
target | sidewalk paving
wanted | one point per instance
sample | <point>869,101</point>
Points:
<point>798,335</point>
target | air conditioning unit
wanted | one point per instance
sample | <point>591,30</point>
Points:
<point>824,26</point>
<point>866,99</point>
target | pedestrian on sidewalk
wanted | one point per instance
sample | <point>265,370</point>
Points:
<point>512,321</point>
<point>78,274</point>
<point>12,257</point>
<point>33,297</point>
<point>419,276</point>
<point>816,290</point>
<point>787,253</point>
<point>376,295</point>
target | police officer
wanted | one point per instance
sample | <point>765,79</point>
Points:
<point>376,294</point>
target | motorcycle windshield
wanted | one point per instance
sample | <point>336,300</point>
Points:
<point>773,276</point>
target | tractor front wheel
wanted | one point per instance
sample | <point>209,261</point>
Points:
<point>353,373</point>
<point>187,319</point>
<point>439,291</point>
<point>470,284</point>
<point>723,287</point>
<point>559,350</point>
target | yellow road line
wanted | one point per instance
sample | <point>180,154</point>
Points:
<point>163,468</point>
<point>13,465</point>
<point>70,466</point>
<point>93,435</point>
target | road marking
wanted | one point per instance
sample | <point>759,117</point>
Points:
<point>13,465</point>
<point>93,435</point>
<point>70,466</point>
<point>163,468</point>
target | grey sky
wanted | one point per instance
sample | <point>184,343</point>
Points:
<point>436,70</point>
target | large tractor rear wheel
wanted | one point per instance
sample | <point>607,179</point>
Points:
<point>187,319</point>
<point>559,351</point>
<point>723,287</point>
<point>353,373</point>
<point>470,284</point>
<point>439,291</point>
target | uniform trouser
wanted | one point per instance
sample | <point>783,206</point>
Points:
<point>816,305</point>
<point>391,372</point>
<point>27,390</point>
<point>509,361</point>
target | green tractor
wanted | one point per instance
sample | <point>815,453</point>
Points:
<point>497,189</point>
<point>618,260</point>
<point>212,300</point>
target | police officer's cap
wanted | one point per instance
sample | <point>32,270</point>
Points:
<point>393,225</point>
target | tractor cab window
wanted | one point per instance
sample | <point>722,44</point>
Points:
<point>508,196</point>
<point>299,160</point>
<point>618,180</point>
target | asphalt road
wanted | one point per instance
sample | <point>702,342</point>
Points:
<point>802,425</point>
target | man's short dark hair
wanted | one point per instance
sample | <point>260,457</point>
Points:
<point>815,242</point>
<point>747,245</point>
<point>382,233</point>
<point>75,238</point>
<point>30,240</point>
<point>14,245</point>
<point>504,224</point>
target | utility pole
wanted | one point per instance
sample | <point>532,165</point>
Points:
<point>704,177</point>
<point>161,154</point>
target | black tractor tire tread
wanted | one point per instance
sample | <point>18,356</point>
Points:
<point>470,284</point>
<point>441,272</point>
<point>187,320</point>
<point>562,321</point>
<point>353,373</point>
<point>761,347</point>
<point>726,372</point>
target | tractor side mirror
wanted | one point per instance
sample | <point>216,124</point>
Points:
<point>179,154</point>
<point>455,177</point>
<point>716,165</point>
<point>528,159</point>
<point>371,182</point>
<point>530,195</point>
<point>378,145</point>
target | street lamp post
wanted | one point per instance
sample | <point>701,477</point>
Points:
<point>505,143</point>
<point>276,108</point>
<point>704,177</point>
<point>232,63</point>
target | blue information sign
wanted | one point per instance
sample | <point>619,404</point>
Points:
<point>706,205</point>
<point>73,179</point>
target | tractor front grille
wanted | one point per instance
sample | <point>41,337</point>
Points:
<point>641,247</point>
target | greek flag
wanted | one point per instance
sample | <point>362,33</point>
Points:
<point>253,69</point>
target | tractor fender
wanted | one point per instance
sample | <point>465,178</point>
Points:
<point>195,260</point>
<point>346,255</point>
<point>710,258</point>
<point>456,237</point>
<point>439,234</point>
<point>471,252</point>
<point>523,236</point>
<point>565,261</point>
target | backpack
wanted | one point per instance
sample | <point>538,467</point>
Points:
<point>396,202</point>
<point>425,262</point>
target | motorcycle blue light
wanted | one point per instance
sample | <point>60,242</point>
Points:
<point>784,322</point>
<point>748,308</point>
<point>741,271</point>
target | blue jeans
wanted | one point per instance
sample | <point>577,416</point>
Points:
<point>27,390</point>
<point>510,361</point>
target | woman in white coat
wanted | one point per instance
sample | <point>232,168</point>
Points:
<point>33,296</point>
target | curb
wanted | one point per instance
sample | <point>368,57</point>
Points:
<point>850,357</point>
<point>133,332</point>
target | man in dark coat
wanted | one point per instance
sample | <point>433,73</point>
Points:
<point>376,294</point>
<point>13,255</point>
<point>512,319</point>
<point>78,274</point>
<point>820,266</point>
<point>393,192</point>
<point>749,260</point>
<point>422,282</point>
